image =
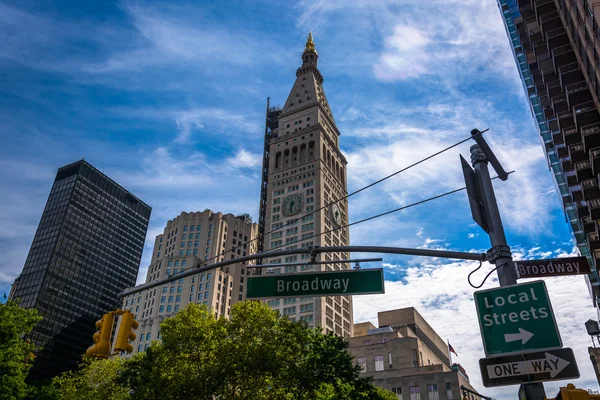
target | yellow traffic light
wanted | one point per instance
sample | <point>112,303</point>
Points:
<point>128,324</point>
<point>101,348</point>
<point>570,393</point>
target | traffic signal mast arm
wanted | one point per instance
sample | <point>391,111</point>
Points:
<point>313,252</point>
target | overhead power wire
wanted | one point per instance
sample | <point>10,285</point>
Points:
<point>382,214</point>
<point>345,226</point>
<point>292,221</point>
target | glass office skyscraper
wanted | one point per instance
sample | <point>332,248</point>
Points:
<point>556,44</point>
<point>87,249</point>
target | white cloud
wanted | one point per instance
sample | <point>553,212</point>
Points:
<point>244,159</point>
<point>406,54</point>
<point>211,120</point>
<point>441,294</point>
<point>471,235</point>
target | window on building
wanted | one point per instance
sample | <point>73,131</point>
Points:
<point>178,299</point>
<point>449,390</point>
<point>397,391</point>
<point>432,392</point>
<point>206,295</point>
<point>362,363</point>
<point>165,289</point>
<point>162,299</point>
<point>169,308</point>
<point>170,299</point>
<point>161,309</point>
<point>185,228</point>
<point>379,362</point>
<point>179,289</point>
<point>415,392</point>
<point>390,359</point>
<point>176,307</point>
<point>414,358</point>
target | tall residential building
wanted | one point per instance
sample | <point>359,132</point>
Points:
<point>304,173</point>
<point>556,45</point>
<point>86,250</point>
<point>405,355</point>
<point>190,240</point>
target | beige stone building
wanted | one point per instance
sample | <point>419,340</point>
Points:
<point>405,355</point>
<point>189,240</point>
<point>307,173</point>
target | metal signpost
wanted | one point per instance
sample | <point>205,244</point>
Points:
<point>327,283</point>
<point>485,212</point>
<point>529,368</point>
<point>553,267</point>
<point>516,318</point>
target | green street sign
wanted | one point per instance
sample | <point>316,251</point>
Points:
<point>327,283</point>
<point>517,319</point>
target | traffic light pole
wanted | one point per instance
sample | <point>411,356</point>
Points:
<point>499,254</point>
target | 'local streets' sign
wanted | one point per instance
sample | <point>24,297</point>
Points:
<point>343,283</point>
<point>528,368</point>
<point>552,267</point>
<point>516,319</point>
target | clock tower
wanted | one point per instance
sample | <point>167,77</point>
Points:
<point>306,174</point>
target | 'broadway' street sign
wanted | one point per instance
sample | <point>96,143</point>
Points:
<point>343,283</point>
<point>527,368</point>
<point>553,267</point>
<point>516,319</point>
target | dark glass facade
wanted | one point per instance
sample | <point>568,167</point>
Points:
<point>556,44</point>
<point>87,249</point>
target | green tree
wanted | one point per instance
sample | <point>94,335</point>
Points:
<point>94,380</point>
<point>16,353</point>
<point>257,354</point>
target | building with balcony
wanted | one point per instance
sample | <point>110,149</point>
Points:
<point>191,240</point>
<point>556,45</point>
<point>405,355</point>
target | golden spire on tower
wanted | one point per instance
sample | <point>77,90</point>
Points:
<point>310,45</point>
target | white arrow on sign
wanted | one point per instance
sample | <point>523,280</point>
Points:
<point>550,363</point>
<point>523,336</point>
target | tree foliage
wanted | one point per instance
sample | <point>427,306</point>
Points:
<point>16,353</point>
<point>94,380</point>
<point>256,354</point>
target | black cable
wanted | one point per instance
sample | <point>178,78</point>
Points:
<point>484,279</point>
<point>293,221</point>
<point>373,217</point>
<point>382,214</point>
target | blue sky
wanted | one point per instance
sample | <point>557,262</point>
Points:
<point>168,99</point>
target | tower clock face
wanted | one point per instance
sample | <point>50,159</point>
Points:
<point>292,204</point>
<point>336,214</point>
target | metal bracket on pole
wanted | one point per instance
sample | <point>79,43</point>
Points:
<point>313,254</point>
<point>498,251</point>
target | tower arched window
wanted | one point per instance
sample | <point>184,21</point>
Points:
<point>286,157</point>
<point>302,152</point>
<point>278,160</point>
<point>294,155</point>
<point>311,149</point>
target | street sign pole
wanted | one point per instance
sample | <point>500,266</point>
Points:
<point>499,254</point>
